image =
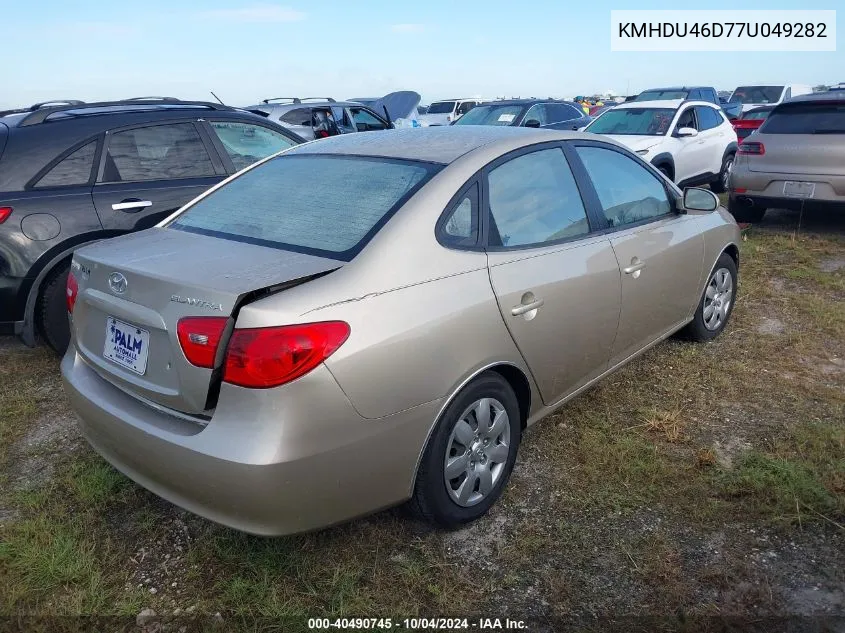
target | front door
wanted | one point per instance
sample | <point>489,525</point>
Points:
<point>691,153</point>
<point>557,284</point>
<point>149,172</point>
<point>659,250</point>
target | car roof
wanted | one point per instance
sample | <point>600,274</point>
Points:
<point>677,88</point>
<point>526,101</point>
<point>816,96</point>
<point>308,104</point>
<point>657,103</point>
<point>457,99</point>
<point>439,144</point>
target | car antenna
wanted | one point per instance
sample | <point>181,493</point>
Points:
<point>216,97</point>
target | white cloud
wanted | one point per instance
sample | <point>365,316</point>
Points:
<point>407,28</point>
<point>257,13</point>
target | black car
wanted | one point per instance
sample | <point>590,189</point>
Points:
<point>690,93</point>
<point>553,114</point>
<point>72,173</point>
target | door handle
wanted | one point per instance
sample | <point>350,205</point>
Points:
<point>126,205</point>
<point>527,307</point>
<point>635,267</point>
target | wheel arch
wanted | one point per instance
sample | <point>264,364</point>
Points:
<point>515,376</point>
<point>46,265</point>
<point>665,159</point>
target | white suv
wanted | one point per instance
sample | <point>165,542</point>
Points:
<point>447,111</point>
<point>691,142</point>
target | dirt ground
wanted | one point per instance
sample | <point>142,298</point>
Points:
<point>701,487</point>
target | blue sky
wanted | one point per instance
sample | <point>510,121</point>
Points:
<point>246,50</point>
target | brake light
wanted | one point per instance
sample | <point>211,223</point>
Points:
<point>5,212</point>
<point>71,291</point>
<point>199,338</point>
<point>751,148</point>
<point>268,357</point>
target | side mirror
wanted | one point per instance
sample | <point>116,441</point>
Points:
<point>697,199</point>
<point>686,132</point>
<point>531,123</point>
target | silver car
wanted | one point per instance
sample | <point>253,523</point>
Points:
<point>376,318</point>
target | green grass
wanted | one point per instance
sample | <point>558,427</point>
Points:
<point>579,519</point>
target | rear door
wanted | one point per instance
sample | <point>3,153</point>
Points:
<point>556,283</point>
<point>715,135</point>
<point>366,121</point>
<point>147,172</point>
<point>659,251</point>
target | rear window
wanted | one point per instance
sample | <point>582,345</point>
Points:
<point>806,119</point>
<point>757,94</point>
<point>323,205</point>
<point>661,95</point>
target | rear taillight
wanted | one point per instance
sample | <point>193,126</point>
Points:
<point>751,148</point>
<point>269,357</point>
<point>5,212</point>
<point>71,291</point>
<point>199,338</point>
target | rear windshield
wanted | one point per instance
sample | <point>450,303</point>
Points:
<point>757,94</point>
<point>441,107</point>
<point>4,134</point>
<point>662,95</point>
<point>317,204</point>
<point>806,119</point>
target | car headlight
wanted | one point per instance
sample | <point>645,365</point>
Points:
<point>643,152</point>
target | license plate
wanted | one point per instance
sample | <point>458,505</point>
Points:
<point>127,345</point>
<point>794,189</point>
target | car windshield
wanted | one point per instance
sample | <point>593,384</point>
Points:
<point>810,118</point>
<point>317,204</point>
<point>633,121</point>
<point>757,94</point>
<point>441,107</point>
<point>492,115</point>
<point>661,95</point>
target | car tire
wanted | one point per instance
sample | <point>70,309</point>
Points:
<point>52,310</point>
<point>717,301</point>
<point>745,213</point>
<point>480,458</point>
<point>720,185</point>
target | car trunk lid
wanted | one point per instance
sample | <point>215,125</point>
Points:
<point>133,291</point>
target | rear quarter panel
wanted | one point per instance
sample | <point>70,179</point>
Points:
<point>720,231</point>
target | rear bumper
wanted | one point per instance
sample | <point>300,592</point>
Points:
<point>270,462</point>
<point>758,185</point>
<point>794,204</point>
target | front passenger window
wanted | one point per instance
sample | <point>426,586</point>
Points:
<point>629,193</point>
<point>533,199</point>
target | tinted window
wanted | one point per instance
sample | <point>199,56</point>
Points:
<point>628,192</point>
<point>246,143</point>
<point>365,121</point>
<point>461,226</point>
<point>441,107</point>
<point>638,121</point>
<point>708,118</point>
<point>465,107</point>
<point>299,116</point>
<point>661,95</point>
<point>492,115</point>
<point>534,199</point>
<point>758,115</point>
<point>687,119</point>
<point>75,169</point>
<point>695,94</point>
<point>157,152</point>
<point>710,95</point>
<point>808,118</point>
<point>757,94</point>
<point>323,204</point>
<point>559,112</point>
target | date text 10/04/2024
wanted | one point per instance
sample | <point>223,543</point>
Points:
<point>447,624</point>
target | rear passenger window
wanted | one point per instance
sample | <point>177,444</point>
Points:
<point>299,116</point>
<point>628,192</point>
<point>461,225</point>
<point>157,152</point>
<point>534,199</point>
<point>74,169</point>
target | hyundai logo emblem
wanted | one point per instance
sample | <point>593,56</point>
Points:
<point>117,283</point>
